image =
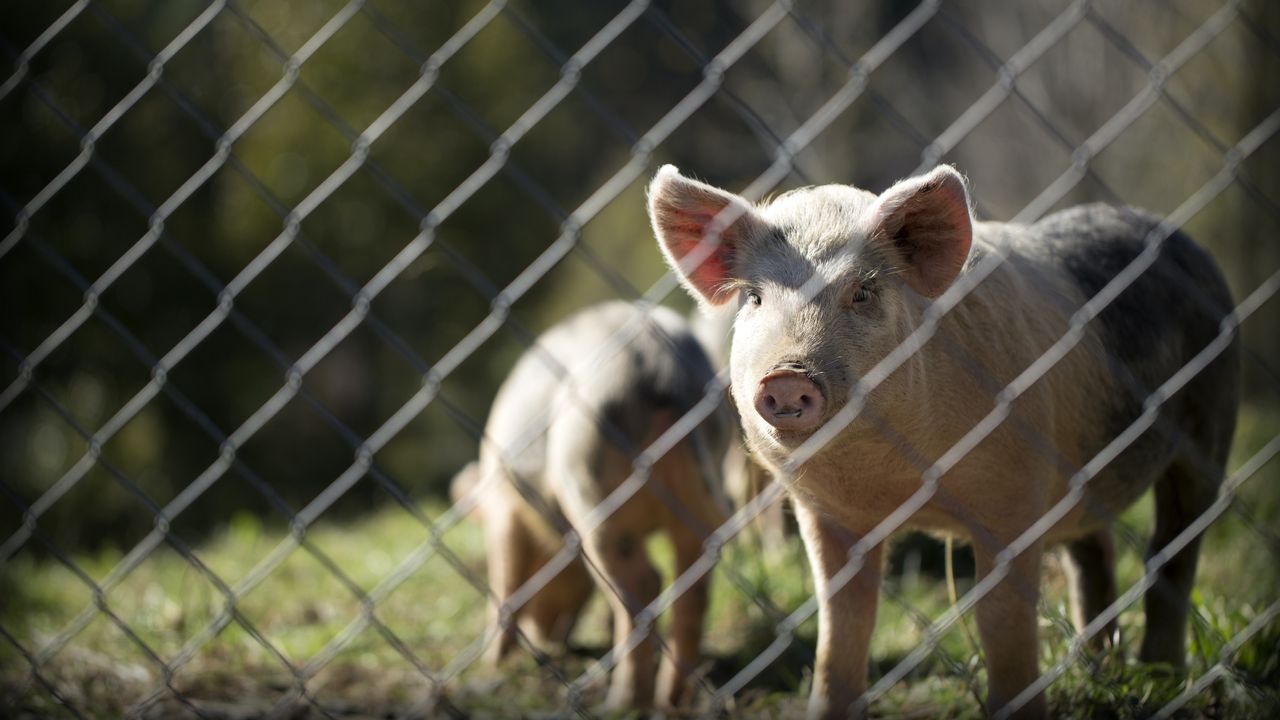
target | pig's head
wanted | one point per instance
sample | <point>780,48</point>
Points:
<point>828,280</point>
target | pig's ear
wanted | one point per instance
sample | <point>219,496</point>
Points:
<point>701,230</point>
<point>925,222</point>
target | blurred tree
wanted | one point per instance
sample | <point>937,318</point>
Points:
<point>481,214</point>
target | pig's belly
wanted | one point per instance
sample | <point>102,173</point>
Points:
<point>871,504</point>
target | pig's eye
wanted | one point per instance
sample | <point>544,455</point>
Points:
<point>753,297</point>
<point>860,295</point>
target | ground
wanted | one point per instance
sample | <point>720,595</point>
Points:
<point>412,649</point>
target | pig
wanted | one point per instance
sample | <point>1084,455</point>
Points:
<point>828,280</point>
<point>565,430</point>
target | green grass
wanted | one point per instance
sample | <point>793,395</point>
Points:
<point>437,616</point>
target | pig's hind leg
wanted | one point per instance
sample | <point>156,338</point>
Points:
<point>584,468</point>
<point>630,583</point>
<point>1091,570</point>
<point>688,615</point>
<point>509,546</point>
<point>1182,494</point>
<point>554,610</point>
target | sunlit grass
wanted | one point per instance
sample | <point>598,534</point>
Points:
<point>308,612</point>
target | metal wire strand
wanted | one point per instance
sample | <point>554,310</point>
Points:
<point>788,162</point>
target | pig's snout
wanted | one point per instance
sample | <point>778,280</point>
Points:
<point>789,400</point>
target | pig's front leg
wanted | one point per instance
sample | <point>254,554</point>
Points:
<point>846,614</point>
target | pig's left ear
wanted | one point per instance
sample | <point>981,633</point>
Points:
<point>925,221</point>
<point>702,231</point>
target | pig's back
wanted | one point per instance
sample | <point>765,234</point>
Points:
<point>1169,312</point>
<point>623,366</point>
<point>638,363</point>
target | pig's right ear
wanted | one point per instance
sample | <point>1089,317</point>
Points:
<point>701,230</point>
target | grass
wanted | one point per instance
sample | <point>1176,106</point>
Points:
<point>430,625</point>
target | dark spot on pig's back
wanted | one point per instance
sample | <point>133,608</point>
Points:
<point>663,373</point>
<point>1170,310</point>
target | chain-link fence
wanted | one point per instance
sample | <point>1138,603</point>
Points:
<point>269,263</point>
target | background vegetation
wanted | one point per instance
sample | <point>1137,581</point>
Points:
<point>1061,101</point>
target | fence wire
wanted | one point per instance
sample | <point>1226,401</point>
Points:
<point>644,136</point>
